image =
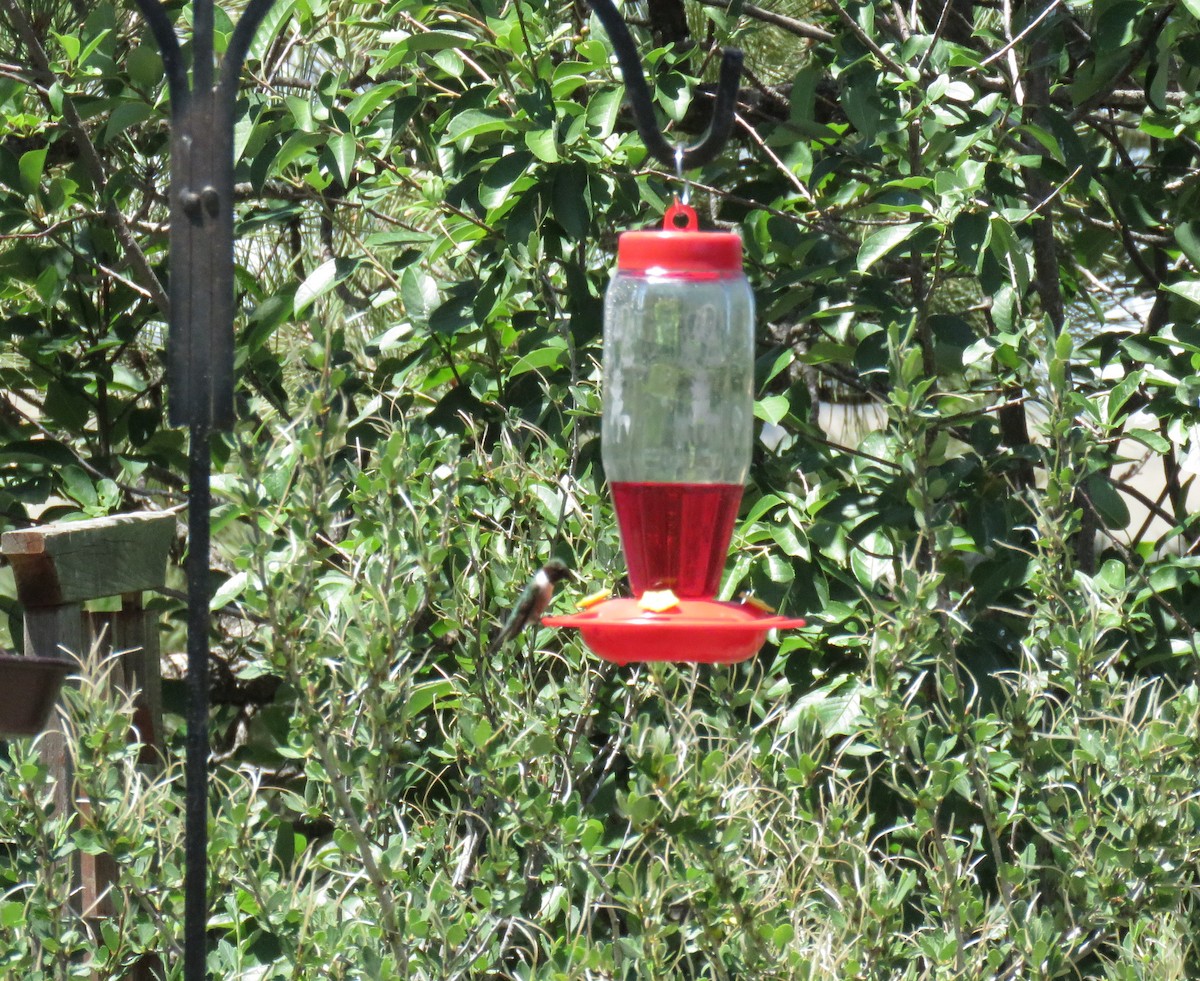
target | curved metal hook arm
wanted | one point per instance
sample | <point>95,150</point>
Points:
<point>239,44</point>
<point>172,54</point>
<point>168,44</point>
<point>643,106</point>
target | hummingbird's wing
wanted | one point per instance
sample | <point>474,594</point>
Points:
<point>533,602</point>
<point>522,613</point>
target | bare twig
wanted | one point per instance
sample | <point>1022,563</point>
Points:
<point>869,42</point>
<point>797,27</point>
<point>1016,39</point>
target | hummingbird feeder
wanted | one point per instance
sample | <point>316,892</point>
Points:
<point>676,436</point>
<point>678,418</point>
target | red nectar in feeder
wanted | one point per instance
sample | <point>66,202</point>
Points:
<point>676,536</point>
<point>676,436</point>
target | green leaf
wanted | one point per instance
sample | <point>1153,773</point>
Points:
<point>126,114</point>
<point>94,44</point>
<point>439,40</point>
<point>66,404</point>
<point>879,243</point>
<point>1122,392</point>
<point>1149,439</point>
<point>457,312</point>
<point>1109,504</point>
<point>571,204</point>
<point>295,147</point>
<point>1188,237</point>
<point>861,102</point>
<point>481,733</point>
<point>542,357</point>
<point>321,280</point>
<point>602,111</point>
<point>78,486</point>
<point>674,95</point>
<point>12,914</point>
<point>476,122</point>
<point>836,708</point>
<point>1189,289</point>
<point>589,837</point>
<point>1010,252</point>
<point>37,453</point>
<point>31,165</point>
<point>145,66</point>
<point>277,16</point>
<point>228,591</point>
<point>779,570</point>
<point>786,538</point>
<point>420,295</point>
<point>971,230</point>
<point>372,99</point>
<point>71,45</point>
<point>499,180</point>
<point>343,149</point>
<point>641,809</point>
<point>772,409</point>
<point>543,144</point>
<point>762,506</point>
<point>425,694</point>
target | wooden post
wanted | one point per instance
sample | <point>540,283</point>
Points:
<point>59,568</point>
<point>49,632</point>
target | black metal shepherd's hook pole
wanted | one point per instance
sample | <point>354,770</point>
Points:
<point>640,101</point>
<point>200,364</point>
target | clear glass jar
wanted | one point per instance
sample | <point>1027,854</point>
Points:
<point>678,418</point>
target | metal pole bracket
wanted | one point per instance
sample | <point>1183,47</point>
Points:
<point>640,100</point>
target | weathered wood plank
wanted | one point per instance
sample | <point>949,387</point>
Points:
<point>132,632</point>
<point>56,631</point>
<point>82,560</point>
<point>135,631</point>
<point>97,875</point>
<point>50,633</point>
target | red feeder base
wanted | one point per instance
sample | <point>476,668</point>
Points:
<point>696,630</point>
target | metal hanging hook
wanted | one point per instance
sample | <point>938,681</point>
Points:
<point>643,106</point>
<point>685,197</point>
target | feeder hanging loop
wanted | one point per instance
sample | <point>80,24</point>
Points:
<point>642,104</point>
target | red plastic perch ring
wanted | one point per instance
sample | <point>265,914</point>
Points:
<point>696,630</point>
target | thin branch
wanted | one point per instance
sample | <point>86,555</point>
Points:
<point>783,168</point>
<point>937,35</point>
<point>1014,70</point>
<point>869,42</point>
<point>11,410</point>
<point>1154,508</point>
<point>797,27</point>
<point>1147,42</point>
<point>1001,52</point>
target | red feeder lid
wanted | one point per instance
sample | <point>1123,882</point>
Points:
<point>679,248</point>
<point>703,631</point>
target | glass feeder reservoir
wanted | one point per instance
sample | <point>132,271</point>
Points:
<point>678,402</point>
<point>676,436</point>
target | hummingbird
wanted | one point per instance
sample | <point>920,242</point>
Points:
<point>533,601</point>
